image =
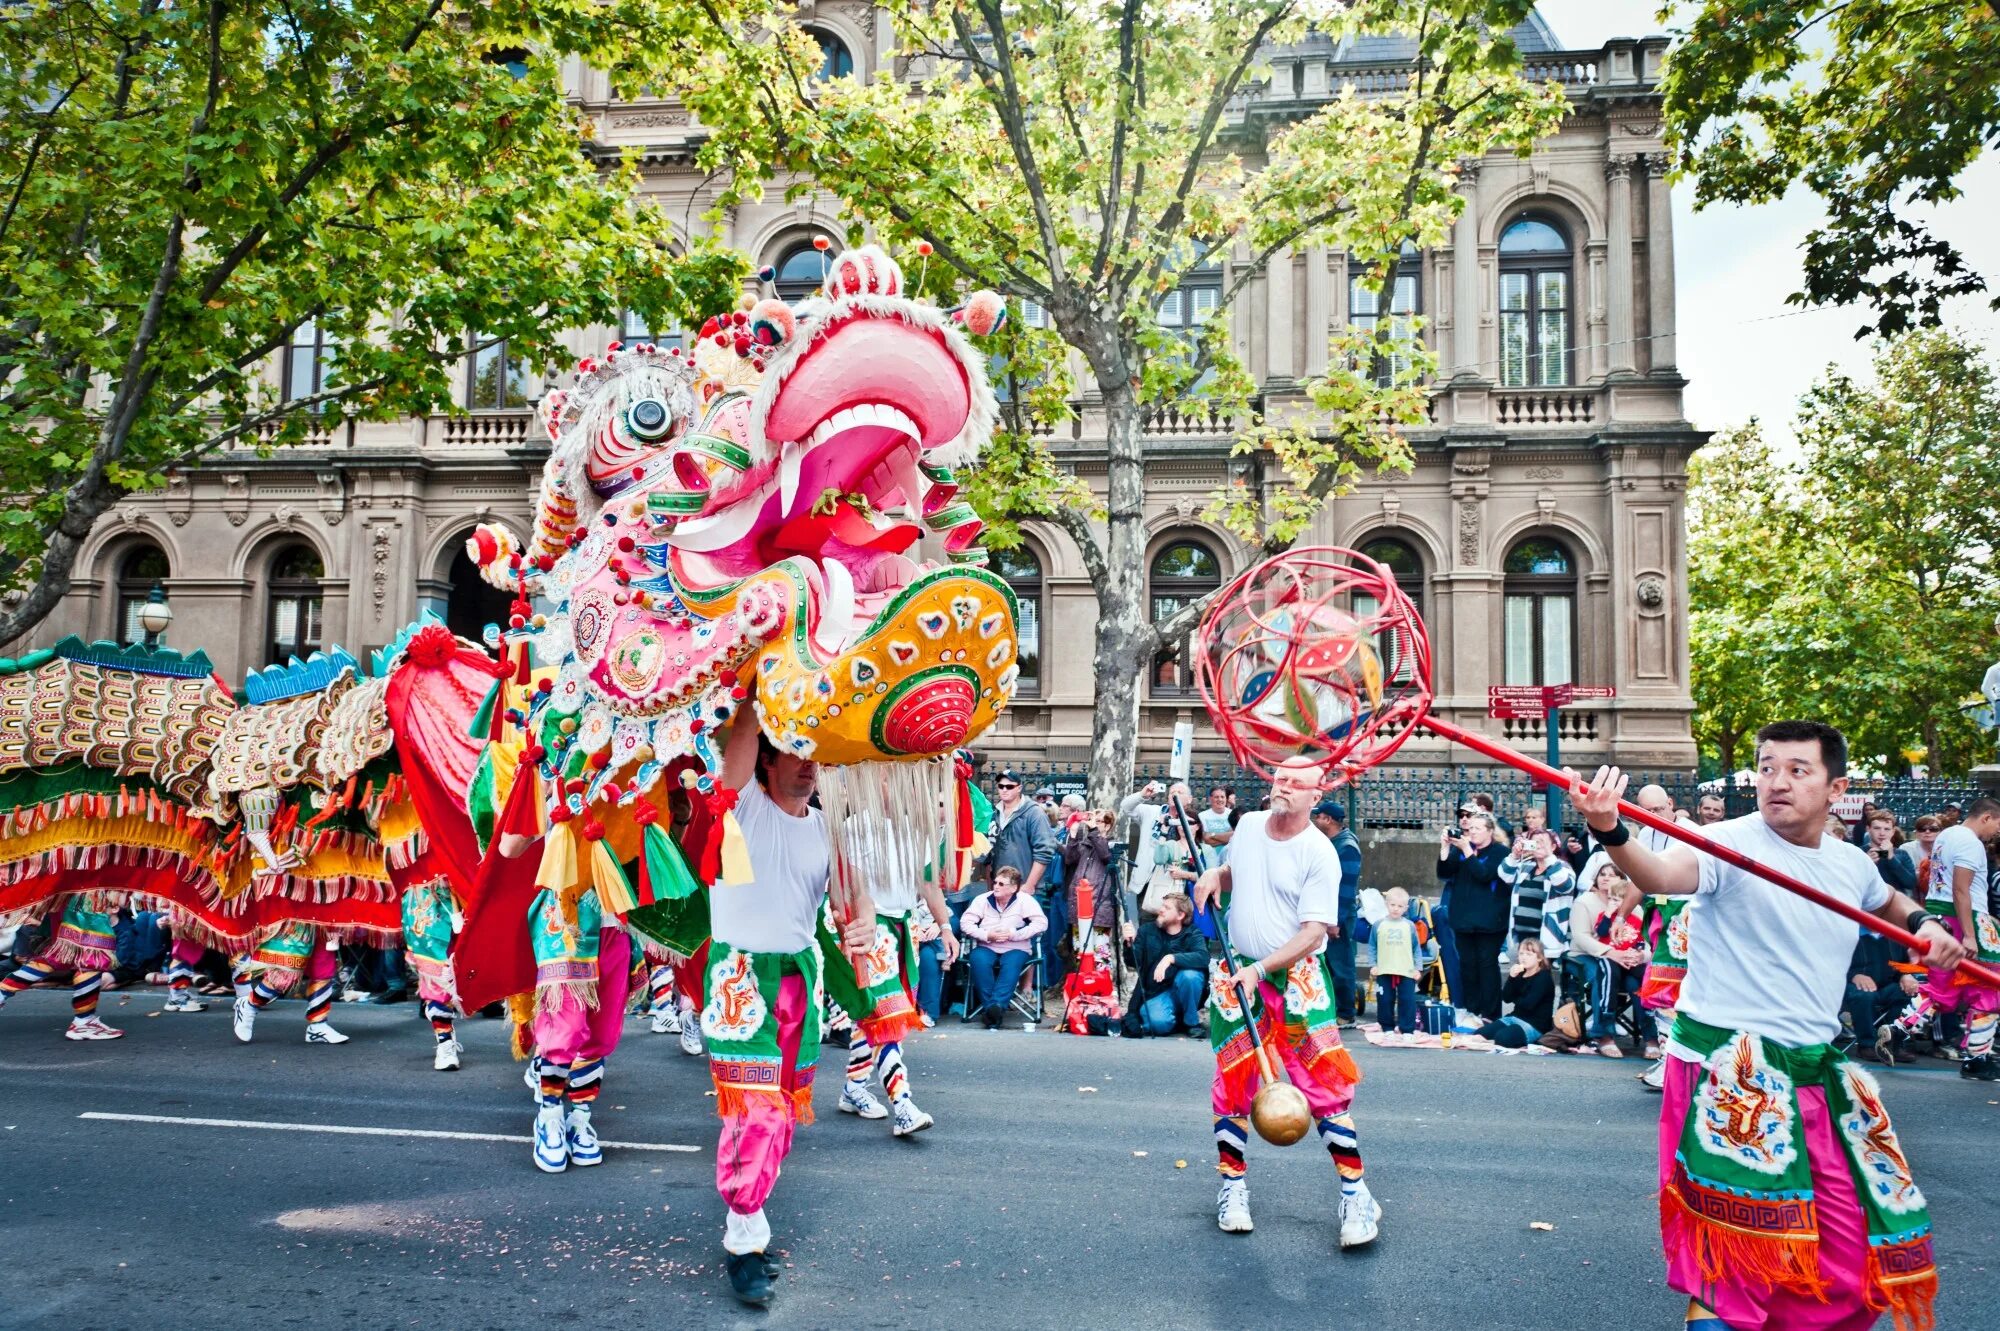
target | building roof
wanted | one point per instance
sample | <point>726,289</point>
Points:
<point>1532,35</point>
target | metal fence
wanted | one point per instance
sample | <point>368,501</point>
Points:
<point>1425,797</point>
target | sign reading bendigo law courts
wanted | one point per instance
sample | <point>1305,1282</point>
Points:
<point>1534,701</point>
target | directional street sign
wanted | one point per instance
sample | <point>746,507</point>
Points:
<point>1505,701</point>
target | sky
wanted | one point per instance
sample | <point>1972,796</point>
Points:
<point>1743,350</point>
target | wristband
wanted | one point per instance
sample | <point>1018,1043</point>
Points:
<point>1617,836</point>
<point>1916,919</point>
<point>1258,966</point>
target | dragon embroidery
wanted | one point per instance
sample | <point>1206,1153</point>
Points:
<point>735,1009</point>
<point>1876,1150</point>
<point>1746,1108</point>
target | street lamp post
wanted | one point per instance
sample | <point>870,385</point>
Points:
<point>155,615</point>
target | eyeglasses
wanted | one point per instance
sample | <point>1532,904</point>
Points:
<point>1007,785</point>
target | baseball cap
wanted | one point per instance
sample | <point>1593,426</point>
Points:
<point>1333,809</point>
<point>1006,776</point>
<point>1050,791</point>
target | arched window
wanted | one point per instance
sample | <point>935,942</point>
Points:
<point>1023,573</point>
<point>139,568</point>
<point>1406,299</point>
<point>497,378</point>
<point>297,619</point>
<point>1194,301</point>
<point>633,329</point>
<point>1403,562</point>
<point>1181,574</point>
<point>308,362</point>
<point>1535,261</point>
<point>1541,613</point>
<point>801,273</point>
<point>472,602</point>
<point>836,61</point>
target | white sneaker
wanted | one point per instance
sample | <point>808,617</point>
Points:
<point>90,1028</point>
<point>447,1057</point>
<point>666,1023</point>
<point>551,1140</point>
<point>320,1032</point>
<point>1655,1077</point>
<point>858,1099</point>
<point>243,1019</point>
<point>583,1147</point>
<point>183,1005</point>
<point>1360,1216</point>
<point>909,1118</point>
<point>1232,1207</point>
<point>691,1044</point>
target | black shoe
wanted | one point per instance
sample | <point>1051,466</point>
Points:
<point>989,1018</point>
<point>388,996</point>
<point>750,1276</point>
<point>1982,1068</point>
<point>1198,1031</point>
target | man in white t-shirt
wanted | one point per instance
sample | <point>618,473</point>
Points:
<point>1280,893</point>
<point>1956,895</point>
<point>762,1019</point>
<point>1757,1099</point>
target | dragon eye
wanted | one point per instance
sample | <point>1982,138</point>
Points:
<point>649,418</point>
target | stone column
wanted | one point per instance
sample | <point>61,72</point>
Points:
<point>1465,281</point>
<point>1279,311</point>
<point>1660,260</point>
<point>1619,292</point>
<point>1319,311</point>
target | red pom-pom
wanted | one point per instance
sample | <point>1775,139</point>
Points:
<point>924,248</point>
<point>545,685</point>
<point>822,244</point>
<point>984,312</point>
<point>627,544</point>
<point>517,621</point>
<point>432,646</point>
<point>592,830</point>
<point>695,727</point>
<point>645,813</point>
<point>772,323</point>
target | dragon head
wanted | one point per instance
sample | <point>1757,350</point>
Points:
<point>750,515</point>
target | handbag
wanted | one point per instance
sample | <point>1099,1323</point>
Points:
<point>1569,1021</point>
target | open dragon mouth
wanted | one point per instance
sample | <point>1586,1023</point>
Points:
<point>848,490</point>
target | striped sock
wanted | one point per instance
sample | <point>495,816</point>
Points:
<point>586,1079</point>
<point>1979,1033</point>
<point>440,1018</point>
<point>319,1001</point>
<point>180,978</point>
<point>555,1081</point>
<point>1338,1134</point>
<point>660,985</point>
<point>27,976</point>
<point>860,1058</point>
<point>1916,1016</point>
<point>84,990</point>
<point>262,995</point>
<point>241,979</point>
<point>1232,1132</point>
<point>889,1062</point>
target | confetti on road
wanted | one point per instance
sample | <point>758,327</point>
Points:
<point>1542,1225</point>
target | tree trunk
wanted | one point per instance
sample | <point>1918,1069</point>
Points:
<point>1125,636</point>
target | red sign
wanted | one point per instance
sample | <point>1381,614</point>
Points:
<point>1506,702</point>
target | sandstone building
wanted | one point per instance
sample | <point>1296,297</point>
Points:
<point>1541,531</point>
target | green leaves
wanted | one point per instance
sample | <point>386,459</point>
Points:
<point>187,186</point>
<point>1874,105</point>
<point>1857,584</point>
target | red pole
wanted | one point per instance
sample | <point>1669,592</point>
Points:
<point>1542,771</point>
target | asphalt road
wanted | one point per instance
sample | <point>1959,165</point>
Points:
<point>1047,1196</point>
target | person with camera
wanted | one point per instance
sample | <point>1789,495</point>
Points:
<point>1476,905</point>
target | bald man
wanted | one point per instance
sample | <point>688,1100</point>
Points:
<point>1656,801</point>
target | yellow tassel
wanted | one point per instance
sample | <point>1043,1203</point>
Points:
<point>614,891</point>
<point>558,869</point>
<point>736,870</point>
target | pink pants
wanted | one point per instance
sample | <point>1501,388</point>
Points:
<point>1843,1230</point>
<point>1324,1103</point>
<point>755,1143</point>
<point>1942,988</point>
<point>187,951</point>
<point>572,1032</point>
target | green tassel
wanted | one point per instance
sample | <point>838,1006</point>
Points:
<point>676,913</point>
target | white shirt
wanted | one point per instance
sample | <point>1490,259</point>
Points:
<point>1275,886</point>
<point>1957,847</point>
<point>791,861</point>
<point>1770,962</point>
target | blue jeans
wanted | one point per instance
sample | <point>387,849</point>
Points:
<point>995,976</point>
<point>1340,958</point>
<point>1055,905</point>
<point>1396,1003</point>
<point>1180,1006</point>
<point>930,978</point>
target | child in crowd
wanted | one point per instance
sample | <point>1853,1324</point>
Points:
<point>1401,952</point>
<point>1531,991</point>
